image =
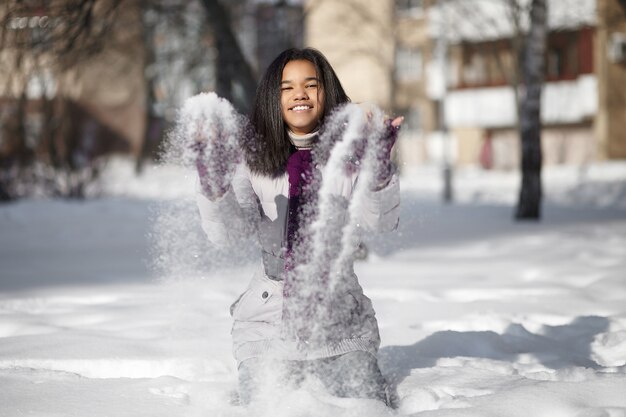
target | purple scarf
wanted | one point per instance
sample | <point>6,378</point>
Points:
<point>300,172</point>
<point>301,297</point>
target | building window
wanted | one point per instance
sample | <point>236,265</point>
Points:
<point>409,64</point>
<point>563,58</point>
<point>412,119</point>
<point>555,65</point>
<point>617,47</point>
<point>475,71</point>
<point>486,64</point>
<point>413,8</point>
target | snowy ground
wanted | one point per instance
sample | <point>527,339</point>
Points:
<point>479,315</point>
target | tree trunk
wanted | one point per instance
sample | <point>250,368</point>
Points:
<point>149,85</point>
<point>231,66</point>
<point>529,204</point>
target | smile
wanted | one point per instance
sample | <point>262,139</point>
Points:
<point>301,108</point>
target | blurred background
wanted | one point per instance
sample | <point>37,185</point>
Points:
<point>82,80</point>
<point>514,109</point>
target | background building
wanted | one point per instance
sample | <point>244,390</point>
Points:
<point>453,68</point>
<point>95,89</point>
<point>73,88</point>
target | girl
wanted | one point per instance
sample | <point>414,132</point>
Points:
<point>295,96</point>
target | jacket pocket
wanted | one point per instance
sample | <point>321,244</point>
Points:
<point>262,301</point>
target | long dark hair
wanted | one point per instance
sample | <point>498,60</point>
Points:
<point>267,153</point>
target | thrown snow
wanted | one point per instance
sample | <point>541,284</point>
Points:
<point>479,315</point>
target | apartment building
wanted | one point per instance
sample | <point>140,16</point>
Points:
<point>388,52</point>
<point>449,67</point>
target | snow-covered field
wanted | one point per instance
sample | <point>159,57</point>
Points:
<point>479,315</point>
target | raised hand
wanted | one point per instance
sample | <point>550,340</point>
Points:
<point>384,168</point>
<point>382,140</point>
<point>211,130</point>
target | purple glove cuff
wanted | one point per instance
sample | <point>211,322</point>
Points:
<point>385,169</point>
<point>209,188</point>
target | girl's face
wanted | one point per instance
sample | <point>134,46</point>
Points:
<point>301,97</point>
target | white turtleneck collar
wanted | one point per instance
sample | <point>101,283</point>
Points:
<point>302,141</point>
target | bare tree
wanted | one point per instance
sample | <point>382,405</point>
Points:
<point>526,36</point>
<point>529,203</point>
<point>236,80</point>
<point>170,42</point>
<point>189,47</point>
<point>39,41</point>
<point>49,38</point>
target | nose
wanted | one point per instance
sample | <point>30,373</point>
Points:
<point>300,94</point>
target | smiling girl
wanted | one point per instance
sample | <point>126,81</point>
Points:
<point>296,95</point>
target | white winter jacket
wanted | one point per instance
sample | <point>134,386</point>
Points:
<point>258,204</point>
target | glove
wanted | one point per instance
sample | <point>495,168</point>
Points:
<point>211,186</point>
<point>384,168</point>
<point>212,130</point>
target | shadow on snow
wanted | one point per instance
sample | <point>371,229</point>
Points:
<point>555,347</point>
